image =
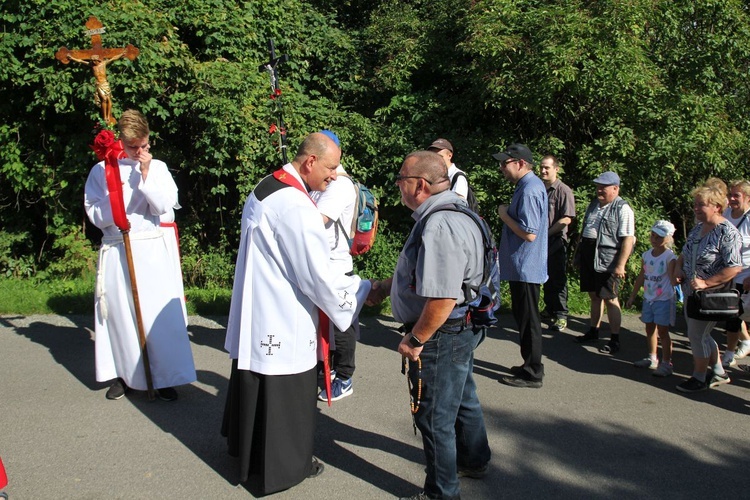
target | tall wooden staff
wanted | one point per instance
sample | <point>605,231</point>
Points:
<point>108,149</point>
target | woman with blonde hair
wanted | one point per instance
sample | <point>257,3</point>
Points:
<point>711,256</point>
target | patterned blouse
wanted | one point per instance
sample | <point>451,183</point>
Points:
<point>718,249</point>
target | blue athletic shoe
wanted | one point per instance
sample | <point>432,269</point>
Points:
<point>339,389</point>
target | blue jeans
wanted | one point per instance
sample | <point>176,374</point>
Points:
<point>449,416</point>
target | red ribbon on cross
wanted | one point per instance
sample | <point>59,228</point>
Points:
<point>110,150</point>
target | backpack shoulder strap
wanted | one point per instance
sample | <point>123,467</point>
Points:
<point>455,178</point>
<point>453,207</point>
<point>340,228</point>
<point>350,234</point>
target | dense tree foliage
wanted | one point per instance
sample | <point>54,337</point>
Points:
<point>655,90</point>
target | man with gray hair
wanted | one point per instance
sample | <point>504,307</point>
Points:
<point>607,240</point>
<point>438,272</point>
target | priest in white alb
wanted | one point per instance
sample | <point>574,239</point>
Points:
<point>283,283</point>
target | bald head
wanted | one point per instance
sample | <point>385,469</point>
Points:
<point>422,175</point>
<point>316,161</point>
<point>316,144</point>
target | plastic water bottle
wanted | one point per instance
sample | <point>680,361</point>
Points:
<point>678,293</point>
<point>365,220</point>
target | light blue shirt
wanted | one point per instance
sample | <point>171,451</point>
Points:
<point>521,260</point>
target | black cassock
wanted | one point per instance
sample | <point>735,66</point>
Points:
<point>269,423</point>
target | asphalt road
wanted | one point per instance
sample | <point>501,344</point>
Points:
<point>599,428</point>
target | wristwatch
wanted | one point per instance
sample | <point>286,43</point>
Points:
<point>414,341</point>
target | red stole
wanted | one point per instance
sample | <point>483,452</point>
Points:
<point>324,323</point>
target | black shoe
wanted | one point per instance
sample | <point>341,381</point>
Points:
<point>692,385</point>
<point>521,382</point>
<point>167,393</point>
<point>588,337</point>
<point>516,370</point>
<point>610,348</point>
<point>477,473</point>
<point>117,390</point>
<point>316,469</point>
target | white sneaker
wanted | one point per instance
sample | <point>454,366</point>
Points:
<point>646,363</point>
<point>717,380</point>
<point>728,362</point>
<point>742,351</point>
<point>663,370</point>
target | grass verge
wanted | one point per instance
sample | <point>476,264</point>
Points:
<point>28,296</point>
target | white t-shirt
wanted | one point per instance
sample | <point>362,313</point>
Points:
<point>656,285</point>
<point>744,230</point>
<point>461,187</point>
<point>627,222</point>
<point>338,202</point>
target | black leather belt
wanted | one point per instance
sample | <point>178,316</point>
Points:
<point>452,323</point>
<point>456,325</point>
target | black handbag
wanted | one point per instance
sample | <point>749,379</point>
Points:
<point>719,303</point>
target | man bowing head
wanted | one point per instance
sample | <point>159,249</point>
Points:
<point>283,289</point>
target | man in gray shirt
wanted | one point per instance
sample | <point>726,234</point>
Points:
<point>438,271</point>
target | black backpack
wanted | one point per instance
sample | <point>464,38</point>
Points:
<point>482,309</point>
<point>470,198</point>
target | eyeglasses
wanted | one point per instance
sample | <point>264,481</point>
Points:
<point>508,162</point>
<point>400,178</point>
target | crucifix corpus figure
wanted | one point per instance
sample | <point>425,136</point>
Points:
<point>97,57</point>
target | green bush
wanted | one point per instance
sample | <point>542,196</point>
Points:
<point>209,267</point>
<point>208,301</point>
<point>15,260</point>
<point>657,91</point>
<point>381,260</point>
<point>72,254</point>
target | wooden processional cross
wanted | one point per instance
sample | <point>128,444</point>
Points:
<point>97,57</point>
